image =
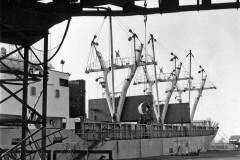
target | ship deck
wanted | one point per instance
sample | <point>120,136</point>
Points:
<point>97,131</point>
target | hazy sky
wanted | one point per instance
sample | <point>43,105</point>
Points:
<point>213,37</point>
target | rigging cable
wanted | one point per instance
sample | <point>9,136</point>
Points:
<point>99,30</point>
<point>122,25</point>
<point>91,54</point>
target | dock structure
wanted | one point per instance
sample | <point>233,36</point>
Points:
<point>21,21</point>
<point>24,22</point>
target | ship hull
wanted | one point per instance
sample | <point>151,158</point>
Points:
<point>119,149</point>
<point>142,148</point>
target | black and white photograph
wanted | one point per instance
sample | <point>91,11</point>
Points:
<point>119,79</point>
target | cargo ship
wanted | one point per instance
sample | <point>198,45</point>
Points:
<point>137,134</point>
<point>118,126</point>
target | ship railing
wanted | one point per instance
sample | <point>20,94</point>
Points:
<point>119,63</point>
<point>119,131</point>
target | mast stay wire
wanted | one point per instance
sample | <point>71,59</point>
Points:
<point>160,44</point>
<point>91,50</point>
<point>197,64</point>
<point>125,30</point>
<point>49,50</point>
<point>122,25</point>
<point>125,27</point>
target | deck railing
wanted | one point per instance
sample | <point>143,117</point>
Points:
<point>120,131</point>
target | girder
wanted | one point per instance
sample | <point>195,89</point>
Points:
<point>26,21</point>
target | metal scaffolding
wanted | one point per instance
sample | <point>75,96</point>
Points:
<point>23,76</point>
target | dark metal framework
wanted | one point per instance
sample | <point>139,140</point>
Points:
<point>24,22</point>
<point>30,115</point>
<point>39,16</point>
<point>25,77</point>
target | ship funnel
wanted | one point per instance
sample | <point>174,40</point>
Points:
<point>77,98</point>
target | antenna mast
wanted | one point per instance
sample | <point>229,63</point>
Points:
<point>190,75</point>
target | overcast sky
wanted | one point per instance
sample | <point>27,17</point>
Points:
<point>213,37</point>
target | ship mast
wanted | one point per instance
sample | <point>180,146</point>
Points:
<point>191,87</point>
<point>133,69</point>
<point>152,40</point>
<point>200,90</point>
<point>175,58</point>
<point>112,67</point>
<point>169,93</point>
<point>105,70</point>
<point>190,55</point>
<point>147,76</point>
<point>116,109</point>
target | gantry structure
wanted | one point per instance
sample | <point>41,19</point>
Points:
<point>25,22</point>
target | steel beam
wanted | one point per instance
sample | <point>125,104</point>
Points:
<point>20,100</point>
<point>9,54</point>
<point>44,95</point>
<point>20,143</point>
<point>25,99</point>
<point>156,10</point>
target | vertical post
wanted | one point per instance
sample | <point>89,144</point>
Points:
<point>200,90</point>
<point>134,36</point>
<point>198,4</point>
<point>112,67</point>
<point>134,47</point>
<point>169,94</point>
<point>175,63</point>
<point>190,75</point>
<point>160,5</point>
<point>145,49</point>
<point>24,97</point>
<point>44,96</point>
<point>155,76</point>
